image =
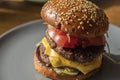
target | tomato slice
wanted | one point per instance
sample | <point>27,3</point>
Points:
<point>61,38</point>
<point>69,41</point>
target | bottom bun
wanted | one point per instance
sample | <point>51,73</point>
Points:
<point>50,73</point>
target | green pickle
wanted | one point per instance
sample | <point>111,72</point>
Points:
<point>66,71</point>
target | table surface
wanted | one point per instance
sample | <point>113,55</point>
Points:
<point>13,13</point>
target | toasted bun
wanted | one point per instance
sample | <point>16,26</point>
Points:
<point>49,72</point>
<point>76,17</point>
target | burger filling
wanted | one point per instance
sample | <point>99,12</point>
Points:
<point>66,66</point>
<point>44,60</point>
<point>78,53</point>
<point>68,54</point>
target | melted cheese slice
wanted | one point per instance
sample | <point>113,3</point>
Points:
<point>58,61</point>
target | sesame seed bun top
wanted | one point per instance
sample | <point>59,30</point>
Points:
<point>75,17</point>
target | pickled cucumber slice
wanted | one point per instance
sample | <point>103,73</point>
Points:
<point>66,71</point>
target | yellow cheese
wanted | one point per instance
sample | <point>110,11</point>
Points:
<point>58,61</point>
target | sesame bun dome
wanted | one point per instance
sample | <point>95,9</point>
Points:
<point>75,17</point>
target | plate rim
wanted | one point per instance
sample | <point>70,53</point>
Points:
<point>19,26</point>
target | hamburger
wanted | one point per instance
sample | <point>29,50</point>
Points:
<point>74,41</point>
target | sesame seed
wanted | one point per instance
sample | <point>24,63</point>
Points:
<point>62,12</point>
<point>93,20</point>
<point>81,22</point>
<point>55,22</point>
<point>66,29</point>
<point>74,16</point>
<point>87,32</point>
<point>78,27</point>
<point>79,19</point>
<point>90,25</point>
<point>87,21</point>
<point>82,28</point>
<point>71,20</point>
<point>66,22</point>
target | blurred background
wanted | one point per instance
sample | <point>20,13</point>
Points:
<point>16,12</point>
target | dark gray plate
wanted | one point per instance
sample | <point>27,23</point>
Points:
<point>17,47</point>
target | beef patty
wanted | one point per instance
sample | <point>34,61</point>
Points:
<point>41,56</point>
<point>78,54</point>
<point>45,59</point>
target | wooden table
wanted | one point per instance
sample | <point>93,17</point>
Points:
<point>16,13</point>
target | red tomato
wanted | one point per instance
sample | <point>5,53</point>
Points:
<point>62,39</point>
<point>70,41</point>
